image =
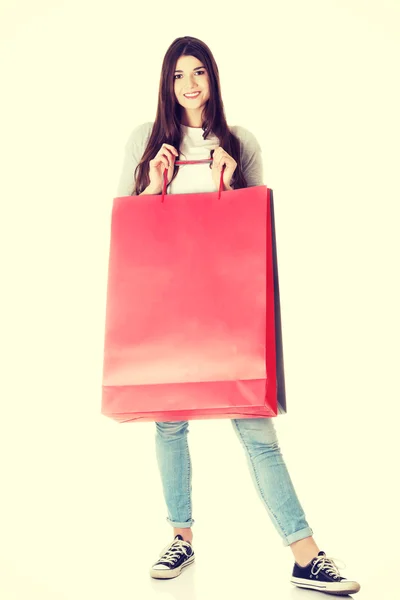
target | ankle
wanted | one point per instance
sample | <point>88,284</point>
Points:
<point>304,551</point>
<point>186,533</point>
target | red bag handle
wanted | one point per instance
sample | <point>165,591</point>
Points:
<point>192,162</point>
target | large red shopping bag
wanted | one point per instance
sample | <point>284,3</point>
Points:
<point>192,327</point>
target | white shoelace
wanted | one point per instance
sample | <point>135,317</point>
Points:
<point>172,555</point>
<point>328,564</point>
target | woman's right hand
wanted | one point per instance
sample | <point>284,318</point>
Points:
<point>165,158</point>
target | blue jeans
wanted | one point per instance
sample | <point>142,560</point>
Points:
<point>267,468</point>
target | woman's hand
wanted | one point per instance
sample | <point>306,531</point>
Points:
<point>221,158</point>
<point>165,158</point>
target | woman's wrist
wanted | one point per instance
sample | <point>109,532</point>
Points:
<point>150,191</point>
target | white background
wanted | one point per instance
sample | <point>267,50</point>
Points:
<point>317,82</point>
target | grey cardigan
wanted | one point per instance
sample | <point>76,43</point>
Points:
<point>250,149</point>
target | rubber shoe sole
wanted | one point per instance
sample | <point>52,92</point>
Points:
<point>171,573</point>
<point>341,588</point>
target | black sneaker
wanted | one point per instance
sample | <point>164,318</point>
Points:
<point>173,558</point>
<point>322,574</point>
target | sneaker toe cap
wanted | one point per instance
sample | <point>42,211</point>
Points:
<point>354,585</point>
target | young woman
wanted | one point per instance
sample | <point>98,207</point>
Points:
<point>190,121</point>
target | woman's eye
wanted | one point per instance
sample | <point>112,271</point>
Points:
<point>178,75</point>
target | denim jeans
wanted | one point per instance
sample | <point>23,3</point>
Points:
<point>267,469</point>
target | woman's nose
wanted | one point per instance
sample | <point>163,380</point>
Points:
<point>191,81</point>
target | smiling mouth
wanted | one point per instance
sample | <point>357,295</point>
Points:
<point>192,96</point>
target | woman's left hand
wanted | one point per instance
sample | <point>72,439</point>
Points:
<point>221,158</point>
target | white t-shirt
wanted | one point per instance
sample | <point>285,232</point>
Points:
<point>197,177</point>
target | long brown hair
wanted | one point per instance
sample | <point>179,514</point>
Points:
<point>166,128</point>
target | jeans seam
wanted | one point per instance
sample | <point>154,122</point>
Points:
<point>257,480</point>
<point>188,476</point>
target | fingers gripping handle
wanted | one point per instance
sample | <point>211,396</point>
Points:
<point>191,162</point>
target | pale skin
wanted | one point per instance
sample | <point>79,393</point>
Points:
<point>190,76</point>
<point>193,77</point>
<point>303,551</point>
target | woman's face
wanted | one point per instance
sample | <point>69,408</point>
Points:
<point>189,77</point>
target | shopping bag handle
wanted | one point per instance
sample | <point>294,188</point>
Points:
<point>192,162</point>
